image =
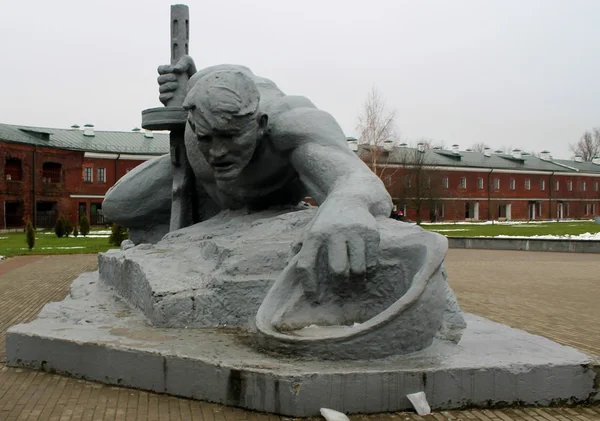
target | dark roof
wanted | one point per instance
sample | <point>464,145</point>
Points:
<point>74,139</point>
<point>526,162</point>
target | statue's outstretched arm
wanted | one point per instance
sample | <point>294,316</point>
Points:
<point>343,240</point>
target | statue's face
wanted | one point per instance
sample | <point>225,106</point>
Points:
<point>229,147</point>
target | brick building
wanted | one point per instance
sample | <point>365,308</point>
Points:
<point>51,172</point>
<point>454,185</point>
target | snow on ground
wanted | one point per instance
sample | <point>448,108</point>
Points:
<point>562,221</point>
<point>92,234</point>
<point>450,230</point>
<point>1,257</point>
<point>585,236</point>
<point>3,238</point>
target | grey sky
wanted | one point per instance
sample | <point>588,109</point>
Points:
<point>521,73</point>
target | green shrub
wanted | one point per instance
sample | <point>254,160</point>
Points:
<point>30,234</point>
<point>68,228</point>
<point>60,226</point>
<point>84,225</point>
<point>117,235</point>
<point>75,231</point>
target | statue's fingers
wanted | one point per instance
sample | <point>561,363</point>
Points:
<point>164,98</point>
<point>168,87</point>
<point>296,247</point>
<point>306,266</point>
<point>372,250</point>
<point>337,252</point>
<point>185,65</point>
<point>166,68</point>
<point>168,77</point>
<point>356,252</point>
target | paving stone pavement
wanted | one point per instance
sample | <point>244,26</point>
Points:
<point>550,294</point>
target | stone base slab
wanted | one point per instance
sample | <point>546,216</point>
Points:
<point>94,335</point>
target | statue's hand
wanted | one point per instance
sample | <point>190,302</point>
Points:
<point>168,80</point>
<point>339,245</point>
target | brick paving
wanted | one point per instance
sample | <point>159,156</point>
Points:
<point>549,294</point>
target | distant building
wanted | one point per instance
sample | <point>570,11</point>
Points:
<point>50,172</point>
<point>459,185</point>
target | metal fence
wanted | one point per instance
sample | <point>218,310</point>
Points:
<point>97,218</point>
<point>45,219</point>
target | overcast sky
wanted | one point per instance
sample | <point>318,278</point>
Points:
<point>520,73</point>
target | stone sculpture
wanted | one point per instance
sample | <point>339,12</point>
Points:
<point>226,264</point>
<point>251,146</point>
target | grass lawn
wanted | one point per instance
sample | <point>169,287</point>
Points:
<point>525,229</point>
<point>46,242</point>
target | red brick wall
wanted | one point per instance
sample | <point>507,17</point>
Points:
<point>71,179</point>
<point>489,198</point>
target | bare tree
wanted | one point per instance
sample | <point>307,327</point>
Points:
<point>421,182</point>
<point>588,145</point>
<point>377,132</point>
<point>479,147</point>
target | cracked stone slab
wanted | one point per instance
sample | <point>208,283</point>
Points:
<point>95,335</point>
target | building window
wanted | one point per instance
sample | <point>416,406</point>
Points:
<point>583,186</point>
<point>512,183</point>
<point>497,183</point>
<point>556,185</point>
<point>101,175</point>
<point>528,184</point>
<point>587,208</point>
<point>480,183</point>
<point>543,185</point>
<point>596,186</point>
<point>428,182</point>
<point>87,175</point>
<point>407,181</point>
<point>566,205</point>
<point>463,182</point>
<point>441,210</point>
<point>12,169</point>
<point>539,209</point>
<point>51,172</point>
<point>569,185</point>
<point>445,182</point>
<point>593,209</point>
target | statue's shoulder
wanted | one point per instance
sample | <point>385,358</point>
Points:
<point>295,120</point>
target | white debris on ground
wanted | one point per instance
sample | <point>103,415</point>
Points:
<point>3,238</point>
<point>331,415</point>
<point>419,401</point>
<point>1,257</point>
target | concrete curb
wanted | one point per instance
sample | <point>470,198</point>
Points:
<point>570,246</point>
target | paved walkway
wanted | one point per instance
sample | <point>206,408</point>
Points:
<point>551,294</point>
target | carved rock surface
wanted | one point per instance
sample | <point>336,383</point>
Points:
<point>218,273</point>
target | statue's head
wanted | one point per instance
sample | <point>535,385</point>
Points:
<point>224,114</point>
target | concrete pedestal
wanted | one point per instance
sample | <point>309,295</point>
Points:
<point>94,335</point>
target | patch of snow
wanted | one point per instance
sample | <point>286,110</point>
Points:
<point>562,221</point>
<point>2,257</point>
<point>585,236</point>
<point>63,248</point>
<point>450,230</point>
<point>3,238</point>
